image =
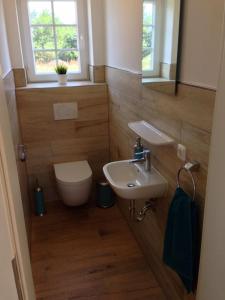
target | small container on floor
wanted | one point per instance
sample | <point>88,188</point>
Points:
<point>105,196</point>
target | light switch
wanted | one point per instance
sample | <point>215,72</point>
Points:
<point>65,111</point>
<point>181,152</point>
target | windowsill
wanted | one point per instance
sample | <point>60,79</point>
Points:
<point>49,85</point>
<point>149,81</point>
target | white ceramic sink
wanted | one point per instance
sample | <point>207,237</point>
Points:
<point>131,181</point>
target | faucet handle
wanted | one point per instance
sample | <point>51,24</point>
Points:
<point>146,152</point>
<point>147,158</point>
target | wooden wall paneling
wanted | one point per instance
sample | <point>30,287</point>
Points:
<point>97,74</point>
<point>20,77</point>
<point>49,141</point>
<point>187,117</point>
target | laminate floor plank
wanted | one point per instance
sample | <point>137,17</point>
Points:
<point>88,253</point>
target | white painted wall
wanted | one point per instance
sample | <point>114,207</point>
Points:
<point>11,20</point>
<point>212,267</point>
<point>5,64</point>
<point>202,42</point>
<point>201,39</point>
<point>123,30</point>
<point>170,30</point>
<point>96,31</point>
<point>124,34</point>
<point>96,25</point>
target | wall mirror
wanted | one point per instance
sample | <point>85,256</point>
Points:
<point>161,24</point>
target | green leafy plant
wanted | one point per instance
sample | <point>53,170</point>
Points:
<point>61,69</point>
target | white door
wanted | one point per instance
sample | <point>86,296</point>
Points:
<point>212,267</point>
<point>12,217</point>
<point>8,288</point>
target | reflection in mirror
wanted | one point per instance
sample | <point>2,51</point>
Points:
<point>161,20</point>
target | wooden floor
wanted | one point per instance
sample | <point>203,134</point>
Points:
<point>88,253</point>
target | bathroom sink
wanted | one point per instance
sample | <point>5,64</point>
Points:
<point>130,180</point>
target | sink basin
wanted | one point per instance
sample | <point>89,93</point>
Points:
<point>130,181</point>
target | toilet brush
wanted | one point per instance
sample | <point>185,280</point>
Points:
<point>39,200</point>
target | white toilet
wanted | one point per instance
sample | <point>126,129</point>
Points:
<point>74,180</point>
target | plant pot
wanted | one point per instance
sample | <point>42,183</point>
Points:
<point>62,79</point>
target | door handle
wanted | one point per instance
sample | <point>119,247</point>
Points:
<point>22,152</point>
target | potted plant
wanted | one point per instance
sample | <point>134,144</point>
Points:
<point>61,71</point>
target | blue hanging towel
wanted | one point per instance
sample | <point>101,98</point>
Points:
<point>180,245</point>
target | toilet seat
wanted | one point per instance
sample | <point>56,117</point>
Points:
<point>74,182</point>
<point>73,172</point>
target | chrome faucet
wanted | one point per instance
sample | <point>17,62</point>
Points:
<point>146,160</point>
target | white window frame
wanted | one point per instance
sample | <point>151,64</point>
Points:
<point>157,39</point>
<point>29,61</point>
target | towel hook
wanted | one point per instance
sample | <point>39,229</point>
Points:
<point>189,167</point>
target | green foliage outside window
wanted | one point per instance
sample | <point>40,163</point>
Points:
<point>43,38</point>
<point>147,36</point>
<point>146,41</point>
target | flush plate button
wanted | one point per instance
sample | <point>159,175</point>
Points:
<point>65,111</point>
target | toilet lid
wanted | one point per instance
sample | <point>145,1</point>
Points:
<point>73,172</point>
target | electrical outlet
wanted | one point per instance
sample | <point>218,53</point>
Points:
<point>181,152</point>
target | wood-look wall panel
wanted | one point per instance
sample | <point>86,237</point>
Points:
<point>187,117</point>
<point>162,121</point>
<point>124,82</point>
<point>20,77</point>
<point>188,106</point>
<point>198,142</point>
<point>49,141</point>
<point>92,128</point>
<point>97,74</point>
<point>79,146</point>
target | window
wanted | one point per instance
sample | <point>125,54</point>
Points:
<point>54,33</point>
<point>151,38</point>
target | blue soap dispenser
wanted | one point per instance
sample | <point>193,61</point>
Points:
<point>138,149</point>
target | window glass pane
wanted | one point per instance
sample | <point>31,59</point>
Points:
<point>42,38</point>
<point>147,59</point>
<point>148,12</point>
<point>54,41</point>
<point>45,61</point>
<point>40,12</point>
<point>147,39</point>
<point>66,37</point>
<point>148,35</point>
<point>71,59</point>
<point>65,12</point>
